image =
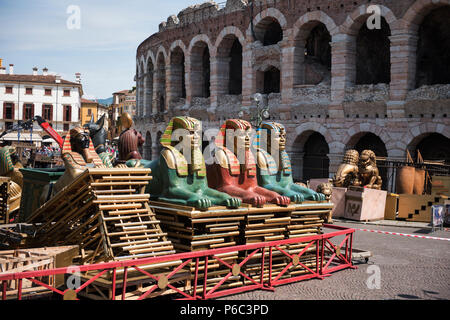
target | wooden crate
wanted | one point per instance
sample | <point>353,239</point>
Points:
<point>35,259</point>
<point>190,230</point>
<point>272,223</point>
<point>418,207</point>
<point>106,212</point>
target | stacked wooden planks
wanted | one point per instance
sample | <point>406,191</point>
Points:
<point>277,223</point>
<point>35,259</point>
<point>265,224</point>
<point>192,230</point>
<point>106,212</point>
<point>4,194</point>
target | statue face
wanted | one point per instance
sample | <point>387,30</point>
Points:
<point>242,138</point>
<point>364,159</point>
<point>279,140</point>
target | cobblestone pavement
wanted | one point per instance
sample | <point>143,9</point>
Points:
<point>410,268</point>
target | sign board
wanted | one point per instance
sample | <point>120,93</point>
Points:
<point>437,216</point>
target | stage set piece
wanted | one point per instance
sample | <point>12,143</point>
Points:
<point>129,208</point>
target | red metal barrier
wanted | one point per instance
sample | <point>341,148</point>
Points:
<point>337,260</point>
<point>328,258</point>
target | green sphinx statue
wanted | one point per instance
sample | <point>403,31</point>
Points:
<point>274,166</point>
<point>179,175</point>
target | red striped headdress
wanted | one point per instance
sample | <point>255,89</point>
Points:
<point>78,158</point>
<point>233,162</point>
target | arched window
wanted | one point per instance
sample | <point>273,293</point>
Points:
<point>433,52</point>
<point>373,55</point>
<point>200,70</point>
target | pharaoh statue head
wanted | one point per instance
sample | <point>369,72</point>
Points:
<point>276,136</point>
<point>187,132</point>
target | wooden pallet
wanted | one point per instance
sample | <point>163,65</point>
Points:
<point>194,230</point>
<point>307,219</point>
<point>35,259</point>
<point>272,223</point>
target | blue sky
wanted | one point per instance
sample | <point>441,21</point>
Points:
<point>35,34</point>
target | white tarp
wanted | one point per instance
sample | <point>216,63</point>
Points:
<point>24,137</point>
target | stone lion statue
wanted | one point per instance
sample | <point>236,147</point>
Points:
<point>368,170</point>
<point>326,188</point>
<point>347,173</point>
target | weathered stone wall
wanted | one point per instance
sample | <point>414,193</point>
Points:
<point>334,106</point>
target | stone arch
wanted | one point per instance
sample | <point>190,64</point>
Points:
<point>418,11</point>
<point>308,27</point>
<point>355,132</point>
<point>159,97</point>
<point>140,84</point>
<point>310,149</point>
<point>265,16</point>
<point>417,133</point>
<point>161,50</point>
<point>178,43</point>
<point>177,76</point>
<point>229,61</point>
<point>229,30</point>
<point>432,146</point>
<point>149,59</point>
<point>199,65</point>
<point>269,12</point>
<point>302,132</point>
<point>355,20</point>
<point>268,77</point>
<point>200,38</point>
<point>305,23</point>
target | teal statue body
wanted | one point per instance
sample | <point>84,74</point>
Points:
<point>277,175</point>
<point>176,181</point>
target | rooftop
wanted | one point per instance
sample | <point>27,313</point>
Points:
<point>48,79</point>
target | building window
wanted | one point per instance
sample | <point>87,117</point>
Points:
<point>28,111</point>
<point>66,92</point>
<point>89,112</point>
<point>47,112</point>
<point>28,90</point>
<point>67,113</point>
<point>48,92</point>
<point>66,127</point>
<point>8,125</point>
<point>9,90</point>
<point>8,111</point>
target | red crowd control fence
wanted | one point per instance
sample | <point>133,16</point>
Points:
<point>261,266</point>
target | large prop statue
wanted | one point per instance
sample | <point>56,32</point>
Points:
<point>274,170</point>
<point>236,176</point>
<point>10,168</point>
<point>129,140</point>
<point>98,135</point>
<point>358,171</point>
<point>347,173</point>
<point>78,153</point>
<point>368,170</point>
<point>179,175</point>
